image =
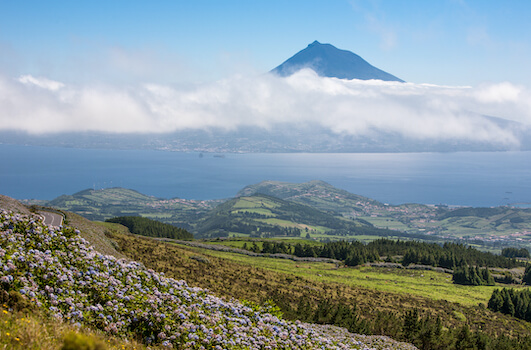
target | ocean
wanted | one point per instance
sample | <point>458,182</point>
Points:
<point>462,178</point>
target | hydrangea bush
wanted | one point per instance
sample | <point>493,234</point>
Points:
<point>56,269</point>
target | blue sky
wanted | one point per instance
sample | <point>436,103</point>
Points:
<point>446,42</point>
<point>163,66</point>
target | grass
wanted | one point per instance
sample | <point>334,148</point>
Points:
<point>34,331</point>
<point>386,222</point>
<point>287,223</point>
<point>157,216</point>
<point>240,242</point>
<point>436,285</point>
<point>371,291</point>
<point>261,211</point>
<point>254,202</point>
<point>238,234</point>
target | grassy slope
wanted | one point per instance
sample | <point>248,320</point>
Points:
<point>11,204</point>
<point>277,212</point>
<point>437,286</point>
<point>317,194</point>
<point>259,279</point>
<point>33,331</point>
<point>94,233</point>
<point>412,217</point>
<point>236,276</point>
<point>106,203</point>
<point>23,328</point>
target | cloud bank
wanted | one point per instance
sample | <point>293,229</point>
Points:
<point>39,105</point>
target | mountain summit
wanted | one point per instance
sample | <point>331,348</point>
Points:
<point>329,61</point>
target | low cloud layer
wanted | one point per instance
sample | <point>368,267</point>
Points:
<point>39,105</point>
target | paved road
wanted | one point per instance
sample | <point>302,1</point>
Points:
<point>51,219</point>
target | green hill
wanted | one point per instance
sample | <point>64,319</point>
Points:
<point>262,215</point>
<point>487,228</point>
<point>112,202</point>
<point>317,194</point>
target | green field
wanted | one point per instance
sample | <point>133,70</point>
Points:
<point>254,202</point>
<point>436,285</point>
<point>287,223</point>
<point>385,222</point>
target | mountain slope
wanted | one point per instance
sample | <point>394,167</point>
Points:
<point>266,216</point>
<point>58,272</point>
<point>90,231</point>
<point>328,61</point>
<point>317,194</point>
<point>111,202</point>
<point>114,196</point>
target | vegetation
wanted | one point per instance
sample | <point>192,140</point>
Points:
<point>512,302</point>
<point>363,300</point>
<point>472,276</point>
<point>448,255</point>
<point>112,202</point>
<point>527,275</point>
<point>394,280</point>
<point>484,228</point>
<point>265,216</point>
<point>515,253</point>
<point>302,294</point>
<point>25,329</point>
<point>315,194</point>
<point>151,228</point>
<point>55,270</point>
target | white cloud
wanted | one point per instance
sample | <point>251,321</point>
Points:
<point>498,93</point>
<point>41,82</point>
<point>355,107</point>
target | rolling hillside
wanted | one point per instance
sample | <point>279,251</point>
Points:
<point>112,202</point>
<point>487,228</point>
<point>261,215</point>
<point>407,305</point>
<point>317,194</point>
<point>58,274</point>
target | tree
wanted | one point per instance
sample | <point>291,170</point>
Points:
<point>464,339</point>
<point>508,306</point>
<point>527,275</point>
<point>496,301</point>
<point>411,325</point>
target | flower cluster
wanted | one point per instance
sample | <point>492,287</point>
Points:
<point>55,268</point>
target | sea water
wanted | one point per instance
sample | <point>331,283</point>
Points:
<point>462,178</point>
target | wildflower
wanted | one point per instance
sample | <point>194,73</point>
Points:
<point>73,281</point>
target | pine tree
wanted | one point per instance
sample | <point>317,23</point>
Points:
<point>411,325</point>
<point>520,307</point>
<point>508,306</point>
<point>464,339</point>
<point>527,275</point>
<point>487,277</point>
<point>496,301</point>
